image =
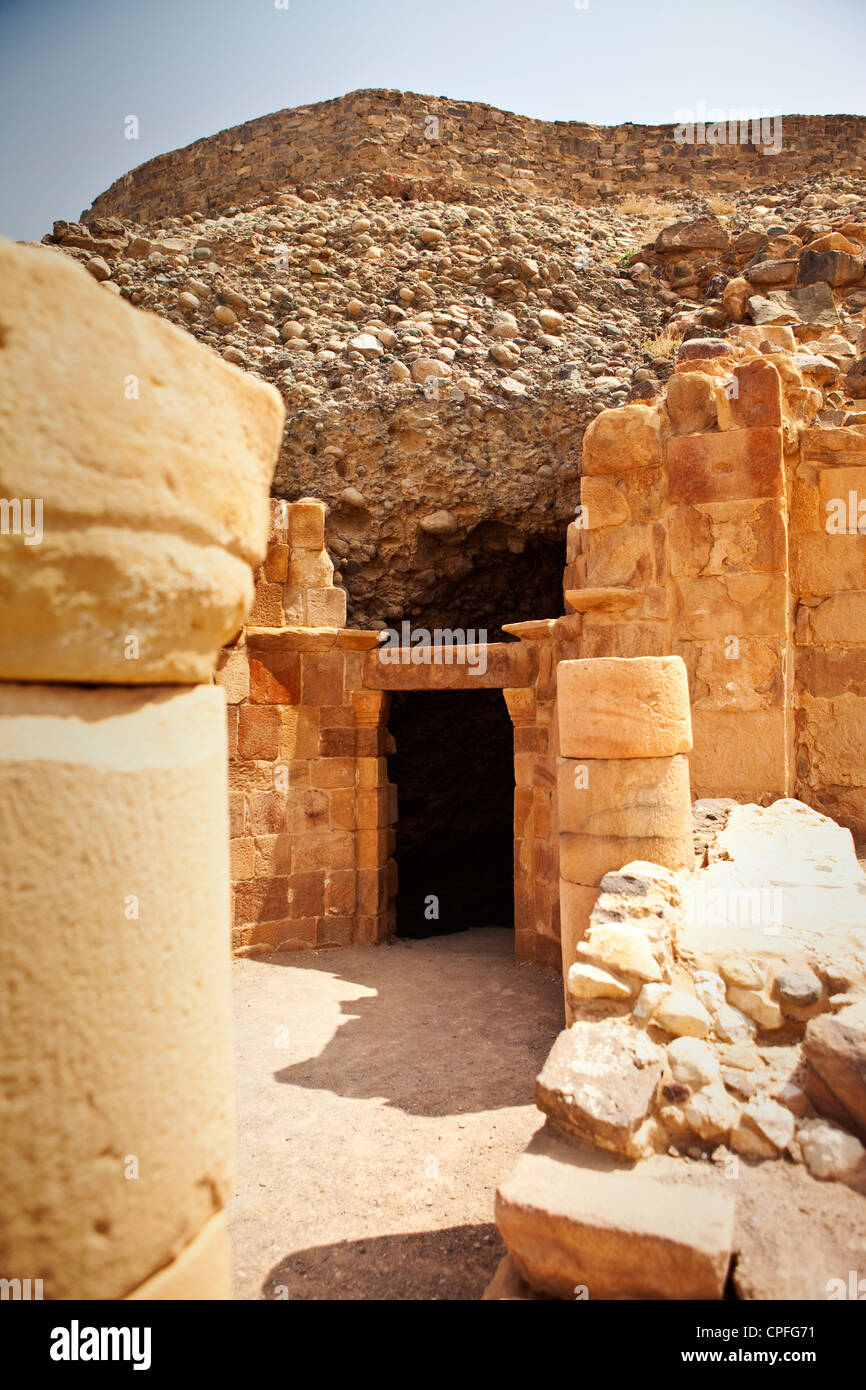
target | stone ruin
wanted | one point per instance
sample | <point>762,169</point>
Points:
<point>687,748</point>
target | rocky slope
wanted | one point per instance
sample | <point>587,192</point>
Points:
<point>442,347</point>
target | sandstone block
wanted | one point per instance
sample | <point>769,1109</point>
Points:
<point>174,498</point>
<point>588,858</point>
<point>623,439</point>
<point>202,1270</point>
<point>623,708</point>
<point>742,605</point>
<point>307,524</point>
<point>691,402</point>
<point>743,463</point>
<point>137,779</point>
<point>570,1221</point>
<point>741,753</point>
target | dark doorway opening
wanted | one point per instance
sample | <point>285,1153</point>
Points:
<point>454,771</point>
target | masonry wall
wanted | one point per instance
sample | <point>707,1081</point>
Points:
<point>828,578</point>
<point>706,531</point>
<point>311,808</point>
<point>404,136</point>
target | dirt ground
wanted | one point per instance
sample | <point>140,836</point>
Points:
<point>382,1095</point>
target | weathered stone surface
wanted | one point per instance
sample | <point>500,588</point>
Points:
<point>624,796</point>
<point>587,981</point>
<point>160,576</point>
<point>598,1083</point>
<point>692,1062</point>
<point>789,887</point>
<point>125,1047</point>
<point>622,947</point>
<point>726,466</point>
<point>623,708</point>
<point>711,1113</point>
<point>814,304</point>
<point>770,1122</point>
<point>699,234</point>
<point>835,1048</point>
<point>619,441</point>
<point>829,1152</point>
<point>682,1015</point>
<point>572,1220</point>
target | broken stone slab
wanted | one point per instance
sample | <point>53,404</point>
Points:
<point>599,1082</point>
<point>835,1050</point>
<point>579,1224</point>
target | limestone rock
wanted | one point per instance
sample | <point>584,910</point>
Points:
<point>835,1049</point>
<point>758,1005</point>
<point>612,707</point>
<point>164,449</point>
<point>829,1152</point>
<point>590,982</point>
<point>733,1026</point>
<point>771,1122</point>
<point>711,1113</point>
<point>623,947</point>
<point>598,1083</point>
<point>573,1223</point>
<point>692,1062</point>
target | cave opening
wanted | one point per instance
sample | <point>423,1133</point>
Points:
<point>454,771</point>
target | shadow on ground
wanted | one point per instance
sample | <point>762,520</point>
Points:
<point>456,1263</point>
<point>452,1027</point>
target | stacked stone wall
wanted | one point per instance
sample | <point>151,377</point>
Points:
<point>404,138</point>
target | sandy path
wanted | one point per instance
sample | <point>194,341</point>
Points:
<point>382,1095</point>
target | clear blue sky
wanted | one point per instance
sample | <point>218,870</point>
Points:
<point>72,70</point>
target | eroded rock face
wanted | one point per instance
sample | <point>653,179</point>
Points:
<point>598,1082</point>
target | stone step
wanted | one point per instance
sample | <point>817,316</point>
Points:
<point>582,1224</point>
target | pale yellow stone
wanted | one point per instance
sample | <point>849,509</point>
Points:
<point>116,1146</point>
<point>152,459</point>
<point>682,1015</point>
<point>587,981</point>
<point>202,1270</point>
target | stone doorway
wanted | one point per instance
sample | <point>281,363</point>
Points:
<point>454,772</point>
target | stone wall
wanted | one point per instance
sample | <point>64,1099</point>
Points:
<point>117,1146</point>
<point>828,578</point>
<point>721,524</point>
<point>404,137</point>
<point>310,803</point>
